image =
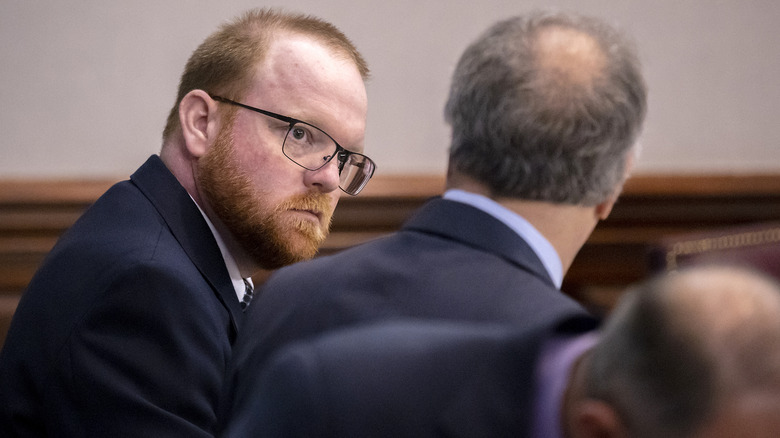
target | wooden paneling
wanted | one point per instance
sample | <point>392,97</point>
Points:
<point>34,213</point>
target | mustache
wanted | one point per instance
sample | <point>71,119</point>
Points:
<point>317,202</point>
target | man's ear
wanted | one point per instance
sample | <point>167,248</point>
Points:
<point>596,419</point>
<point>605,208</point>
<point>199,122</point>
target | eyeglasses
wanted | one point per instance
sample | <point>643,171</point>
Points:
<point>312,148</point>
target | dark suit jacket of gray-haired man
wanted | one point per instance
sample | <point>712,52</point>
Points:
<point>693,355</point>
<point>545,111</point>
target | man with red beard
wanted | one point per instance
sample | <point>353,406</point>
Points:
<point>128,326</point>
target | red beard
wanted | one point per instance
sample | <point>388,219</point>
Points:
<point>271,238</point>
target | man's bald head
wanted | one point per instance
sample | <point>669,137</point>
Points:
<point>689,349</point>
<point>547,107</point>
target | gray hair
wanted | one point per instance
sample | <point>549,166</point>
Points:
<point>679,347</point>
<point>533,132</point>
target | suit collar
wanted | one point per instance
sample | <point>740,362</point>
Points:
<point>526,230</point>
<point>475,228</point>
<point>189,228</point>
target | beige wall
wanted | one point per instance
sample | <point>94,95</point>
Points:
<point>85,85</point>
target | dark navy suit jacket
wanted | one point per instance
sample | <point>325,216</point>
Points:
<point>411,379</point>
<point>450,261</point>
<point>126,329</point>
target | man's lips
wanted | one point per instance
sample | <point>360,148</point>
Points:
<point>315,213</point>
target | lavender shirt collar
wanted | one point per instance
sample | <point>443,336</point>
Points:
<point>552,376</point>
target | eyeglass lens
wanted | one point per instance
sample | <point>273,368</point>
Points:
<point>311,148</point>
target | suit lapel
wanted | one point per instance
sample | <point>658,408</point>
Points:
<point>475,228</point>
<point>189,228</point>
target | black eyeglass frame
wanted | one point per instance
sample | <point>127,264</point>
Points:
<point>341,151</point>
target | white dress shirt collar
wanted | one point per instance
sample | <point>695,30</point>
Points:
<point>230,262</point>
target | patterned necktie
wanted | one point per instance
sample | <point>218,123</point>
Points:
<point>248,291</point>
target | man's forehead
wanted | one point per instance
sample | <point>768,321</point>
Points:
<point>303,78</point>
<point>302,61</point>
<point>298,50</point>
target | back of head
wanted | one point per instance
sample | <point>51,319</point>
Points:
<point>226,61</point>
<point>546,108</point>
<point>682,349</point>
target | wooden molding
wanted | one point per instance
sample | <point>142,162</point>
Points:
<point>75,190</point>
<point>652,207</point>
<point>720,185</point>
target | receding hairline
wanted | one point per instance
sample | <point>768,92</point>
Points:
<point>271,26</point>
<point>277,25</point>
<point>226,61</point>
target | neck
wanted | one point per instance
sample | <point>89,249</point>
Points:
<point>566,227</point>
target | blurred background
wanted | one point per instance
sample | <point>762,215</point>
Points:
<point>86,85</point>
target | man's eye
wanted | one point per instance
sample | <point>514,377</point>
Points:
<point>298,133</point>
